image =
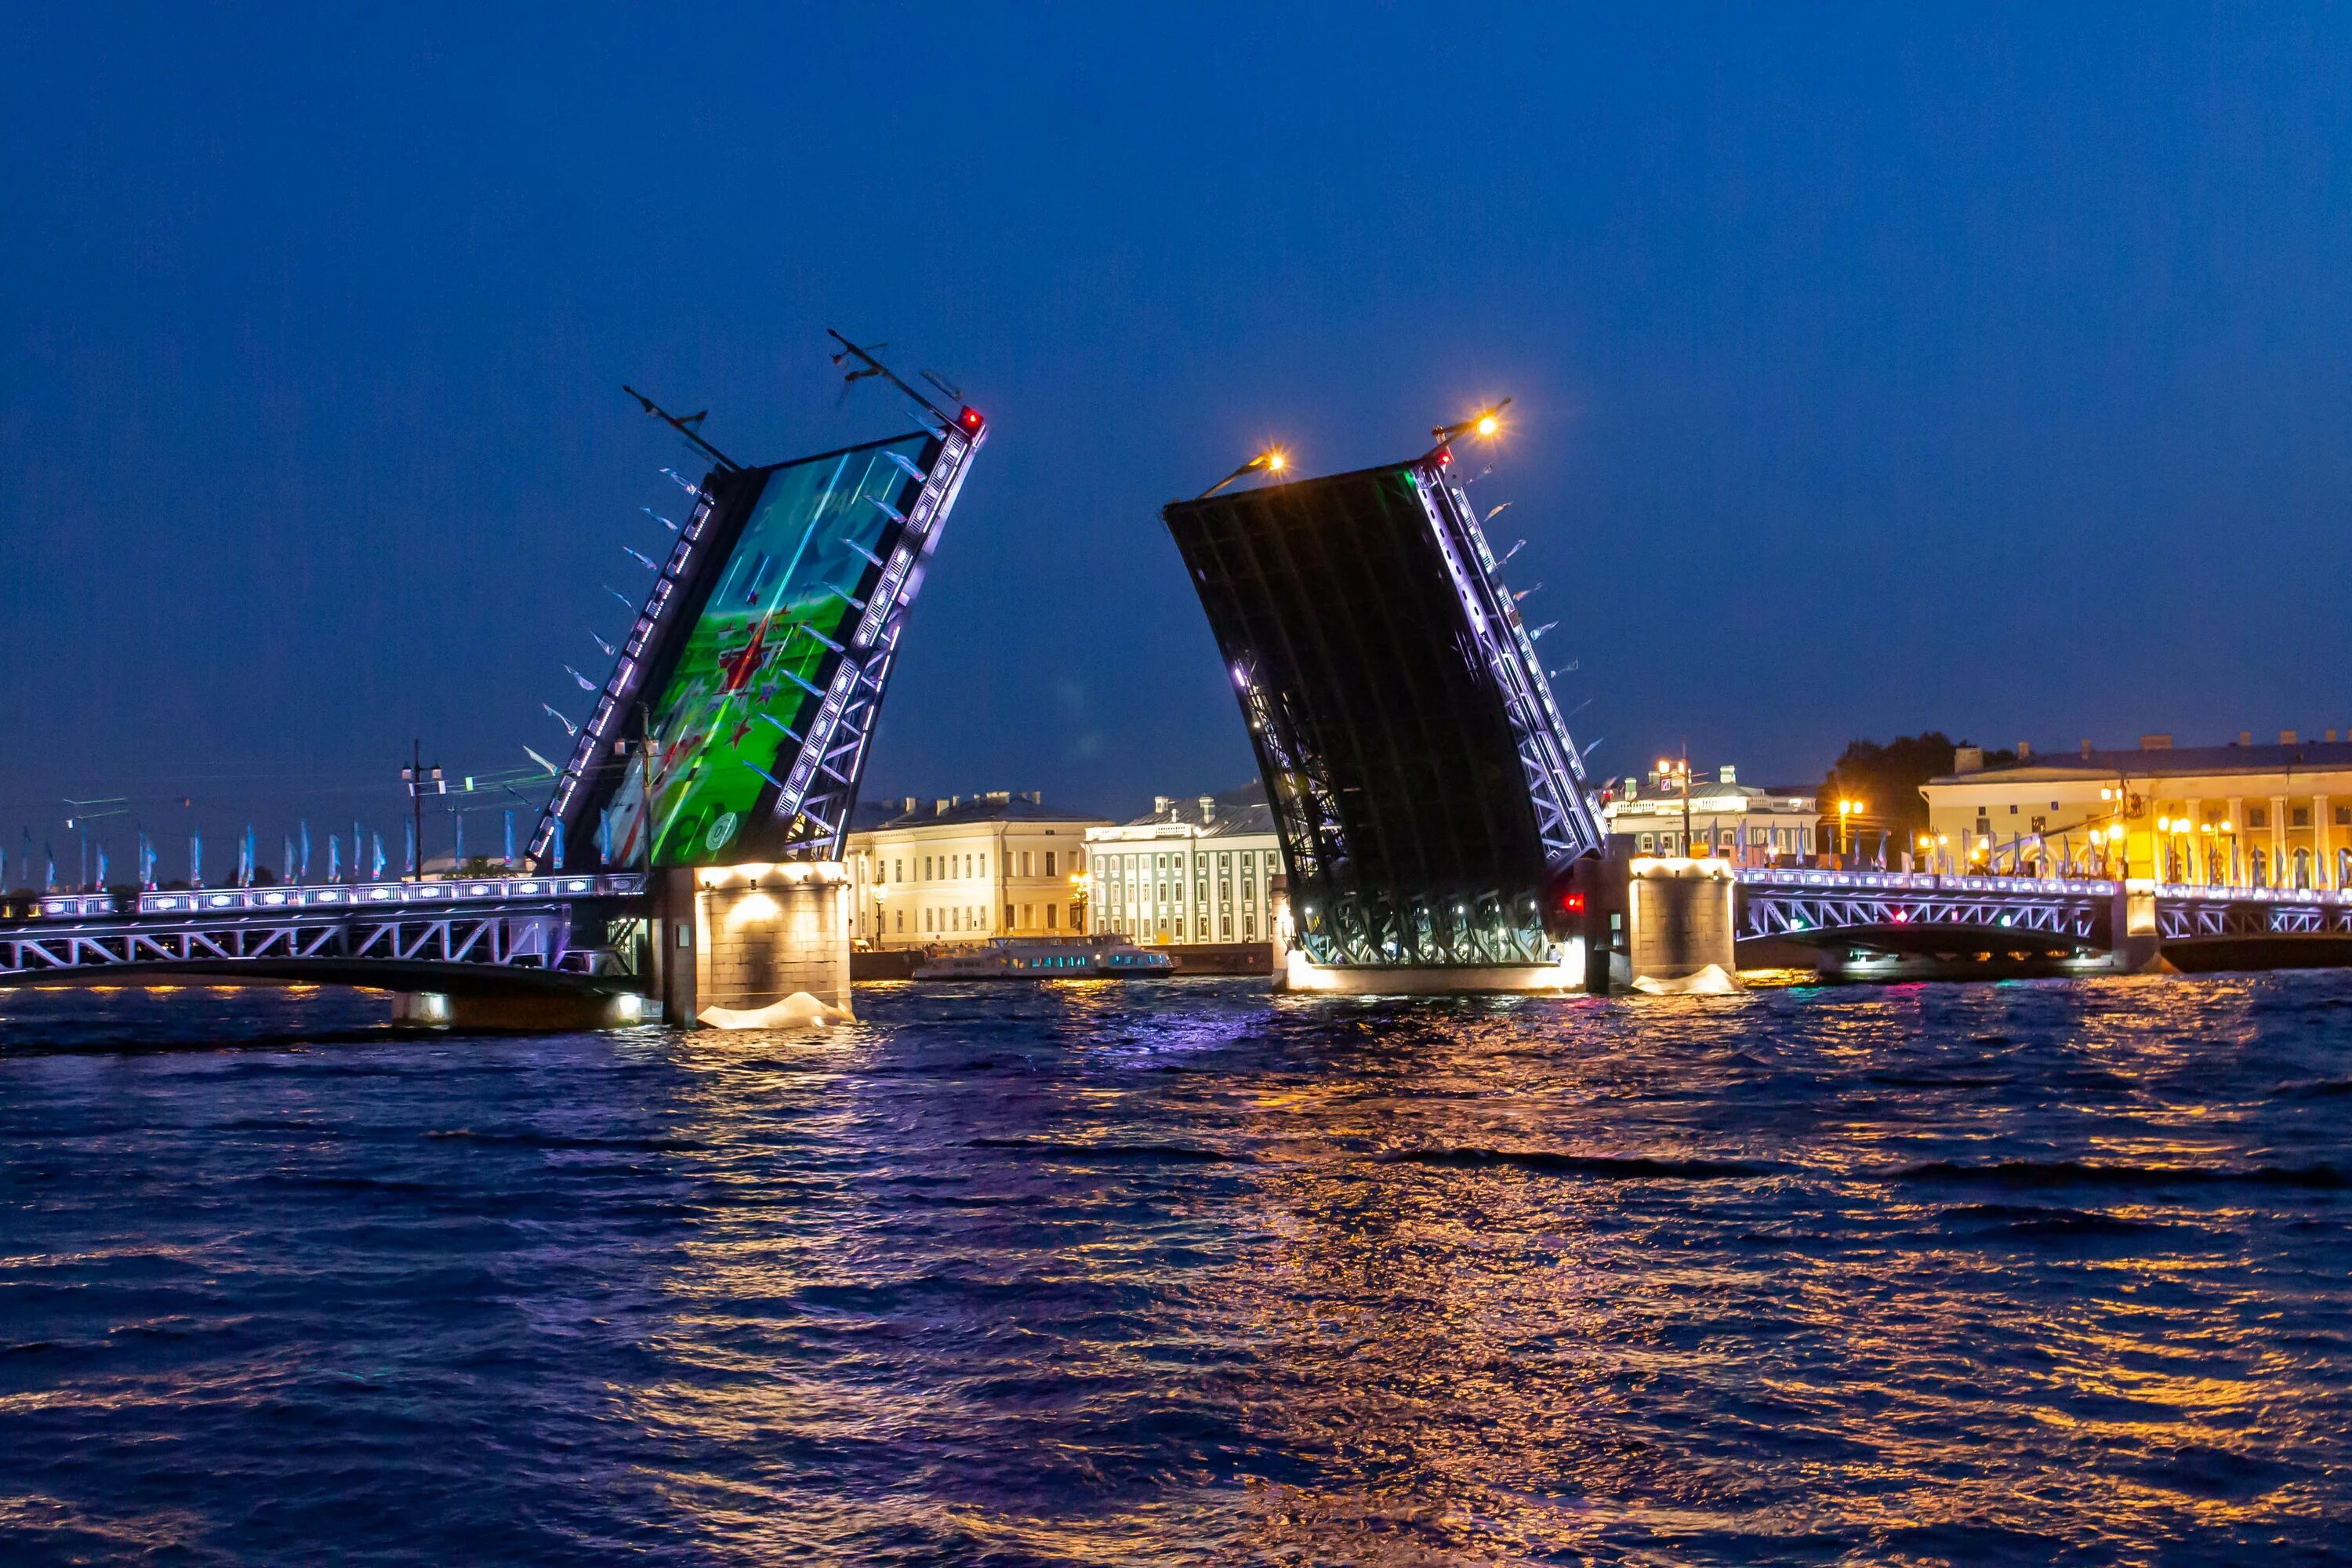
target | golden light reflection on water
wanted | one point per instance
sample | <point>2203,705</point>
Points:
<point>1176,1274</point>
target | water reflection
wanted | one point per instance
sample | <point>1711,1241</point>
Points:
<point>1192,1274</point>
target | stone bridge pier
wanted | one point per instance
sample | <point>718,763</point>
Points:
<point>753,945</point>
<point>1660,924</point>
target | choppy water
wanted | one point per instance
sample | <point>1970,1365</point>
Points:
<point>1184,1273</point>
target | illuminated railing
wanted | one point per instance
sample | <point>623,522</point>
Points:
<point>347,895</point>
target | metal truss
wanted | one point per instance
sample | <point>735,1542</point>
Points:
<point>1882,909</point>
<point>346,942</point>
<point>820,790</point>
<point>2195,913</point>
<point>1816,906</point>
<point>595,737</point>
<point>1567,819</point>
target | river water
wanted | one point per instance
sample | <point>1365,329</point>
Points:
<point>1185,1273</point>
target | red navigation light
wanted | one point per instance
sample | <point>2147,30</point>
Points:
<point>1445,456</point>
<point>971,420</point>
<point>1572,902</point>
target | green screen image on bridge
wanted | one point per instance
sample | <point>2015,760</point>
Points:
<point>1374,665</point>
<point>791,561</point>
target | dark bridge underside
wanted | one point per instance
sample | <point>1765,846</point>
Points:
<point>1378,704</point>
<point>1940,940</point>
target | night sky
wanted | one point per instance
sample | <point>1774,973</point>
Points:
<point>1872,371</point>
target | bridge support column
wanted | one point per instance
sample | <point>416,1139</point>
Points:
<point>2136,945</point>
<point>753,946</point>
<point>1679,926</point>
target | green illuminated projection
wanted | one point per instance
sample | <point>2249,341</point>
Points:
<point>723,725</point>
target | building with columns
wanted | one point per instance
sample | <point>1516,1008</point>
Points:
<point>1203,869</point>
<point>963,869</point>
<point>2240,814</point>
<point>1742,822</point>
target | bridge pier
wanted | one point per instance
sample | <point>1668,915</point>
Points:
<point>751,946</point>
<point>1661,925</point>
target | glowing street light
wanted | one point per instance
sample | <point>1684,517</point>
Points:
<point>1273,460</point>
<point>1486,422</point>
<point>1847,811</point>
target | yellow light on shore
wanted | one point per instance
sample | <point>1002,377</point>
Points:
<point>1488,425</point>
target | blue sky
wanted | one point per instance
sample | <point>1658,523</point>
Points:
<point>1875,370</point>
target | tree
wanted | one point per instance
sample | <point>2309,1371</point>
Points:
<point>1886,780</point>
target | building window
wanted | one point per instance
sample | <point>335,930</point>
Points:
<point>1051,910</point>
<point>1025,862</point>
<point>1650,841</point>
<point>2301,817</point>
<point>1049,862</point>
<point>902,922</point>
<point>1249,925</point>
<point>2344,817</point>
<point>1008,917</point>
<point>2258,817</point>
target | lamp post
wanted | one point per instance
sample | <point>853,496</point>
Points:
<point>1673,771</point>
<point>1847,811</point>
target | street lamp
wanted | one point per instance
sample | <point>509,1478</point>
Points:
<point>1672,771</point>
<point>1273,460</point>
<point>1847,811</point>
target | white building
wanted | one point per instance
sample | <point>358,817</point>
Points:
<point>1195,870</point>
<point>1739,822</point>
<point>967,868</point>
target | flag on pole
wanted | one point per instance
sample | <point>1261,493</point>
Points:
<point>306,849</point>
<point>101,863</point>
<point>559,844</point>
<point>510,816</point>
<point>49,856</point>
<point>459,866</point>
<point>334,858</point>
<point>408,831</point>
<point>288,875</point>
<point>376,841</point>
<point>358,847</point>
<point>195,859</point>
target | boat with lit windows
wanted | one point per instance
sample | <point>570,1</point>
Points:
<point>1046,958</point>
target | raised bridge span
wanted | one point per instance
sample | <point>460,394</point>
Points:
<point>1435,823</point>
<point>689,854</point>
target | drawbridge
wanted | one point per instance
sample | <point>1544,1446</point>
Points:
<point>688,849</point>
<point>1431,804</point>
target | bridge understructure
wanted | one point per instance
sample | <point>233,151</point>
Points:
<point>688,857</point>
<point>1429,800</point>
<point>1886,925</point>
<point>496,951</point>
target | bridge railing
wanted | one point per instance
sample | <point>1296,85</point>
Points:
<point>1793,876</point>
<point>278,899</point>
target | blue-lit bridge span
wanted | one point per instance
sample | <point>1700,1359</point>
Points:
<point>581,937</point>
<point>1896,914</point>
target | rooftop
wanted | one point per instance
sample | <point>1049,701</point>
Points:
<point>2167,760</point>
<point>993,806</point>
<point>1235,811</point>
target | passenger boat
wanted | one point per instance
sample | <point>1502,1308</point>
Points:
<point>1046,958</point>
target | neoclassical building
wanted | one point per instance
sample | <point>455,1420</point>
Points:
<point>2237,815</point>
